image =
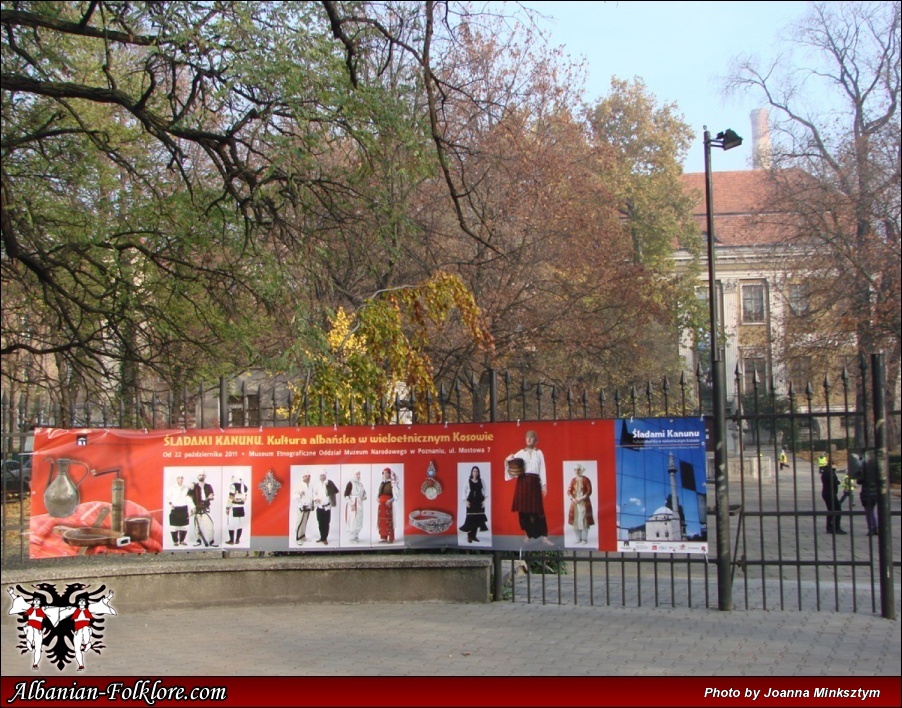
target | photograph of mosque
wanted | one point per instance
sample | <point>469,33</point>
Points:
<point>661,486</point>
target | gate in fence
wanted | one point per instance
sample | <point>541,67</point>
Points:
<point>782,556</point>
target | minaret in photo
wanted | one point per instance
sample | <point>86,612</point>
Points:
<point>675,499</point>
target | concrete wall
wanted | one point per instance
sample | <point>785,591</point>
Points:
<point>290,579</point>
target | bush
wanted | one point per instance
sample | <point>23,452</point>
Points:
<point>547,563</point>
<point>540,562</point>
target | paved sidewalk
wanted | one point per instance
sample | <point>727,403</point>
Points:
<point>498,639</point>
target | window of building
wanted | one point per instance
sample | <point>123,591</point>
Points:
<point>753,303</point>
<point>798,299</point>
<point>244,411</point>
<point>753,365</point>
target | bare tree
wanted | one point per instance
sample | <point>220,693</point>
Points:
<point>835,96</point>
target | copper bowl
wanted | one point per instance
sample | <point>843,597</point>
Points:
<point>89,536</point>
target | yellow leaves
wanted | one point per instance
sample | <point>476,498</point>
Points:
<point>381,348</point>
<point>437,298</point>
<point>342,337</point>
<point>282,413</point>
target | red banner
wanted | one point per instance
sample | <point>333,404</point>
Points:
<point>636,485</point>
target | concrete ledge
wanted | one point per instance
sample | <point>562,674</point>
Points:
<point>160,584</point>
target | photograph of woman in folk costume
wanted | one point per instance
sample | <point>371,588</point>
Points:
<point>386,515</point>
<point>531,488</point>
<point>474,494</point>
<point>388,497</point>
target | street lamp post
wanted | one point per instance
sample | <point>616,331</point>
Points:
<point>726,141</point>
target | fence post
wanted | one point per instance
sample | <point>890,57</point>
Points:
<point>493,397</point>
<point>885,551</point>
<point>223,403</point>
<point>497,563</point>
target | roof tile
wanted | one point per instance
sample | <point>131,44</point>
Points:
<point>742,207</point>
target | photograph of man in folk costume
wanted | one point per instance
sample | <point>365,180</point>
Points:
<point>325,498</point>
<point>354,497</point>
<point>237,511</point>
<point>580,511</point>
<point>202,496</point>
<point>180,506</point>
<point>302,493</point>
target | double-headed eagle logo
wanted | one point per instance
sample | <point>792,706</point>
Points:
<point>65,625</point>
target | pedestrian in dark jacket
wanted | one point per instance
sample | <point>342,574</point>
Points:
<point>830,495</point>
<point>867,478</point>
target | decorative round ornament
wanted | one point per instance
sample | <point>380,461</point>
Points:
<point>269,486</point>
<point>431,487</point>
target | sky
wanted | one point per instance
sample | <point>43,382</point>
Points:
<point>681,50</point>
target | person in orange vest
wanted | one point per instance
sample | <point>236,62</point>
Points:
<point>847,488</point>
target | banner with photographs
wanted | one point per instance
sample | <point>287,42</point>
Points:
<point>601,485</point>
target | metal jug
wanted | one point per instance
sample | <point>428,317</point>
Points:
<point>61,496</point>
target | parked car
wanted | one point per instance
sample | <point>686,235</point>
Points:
<point>16,479</point>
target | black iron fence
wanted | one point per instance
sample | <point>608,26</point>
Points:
<point>781,554</point>
<point>254,399</point>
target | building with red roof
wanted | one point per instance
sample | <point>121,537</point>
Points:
<point>761,287</point>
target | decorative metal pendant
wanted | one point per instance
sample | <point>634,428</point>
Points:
<point>431,487</point>
<point>269,486</point>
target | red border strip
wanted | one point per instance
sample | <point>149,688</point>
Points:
<point>519,692</point>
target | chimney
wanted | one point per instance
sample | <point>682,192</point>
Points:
<point>761,156</point>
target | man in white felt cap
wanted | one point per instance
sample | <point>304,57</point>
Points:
<point>355,495</point>
<point>324,498</point>
<point>235,511</point>
<point>202,495</point>
<point>305,506</point>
